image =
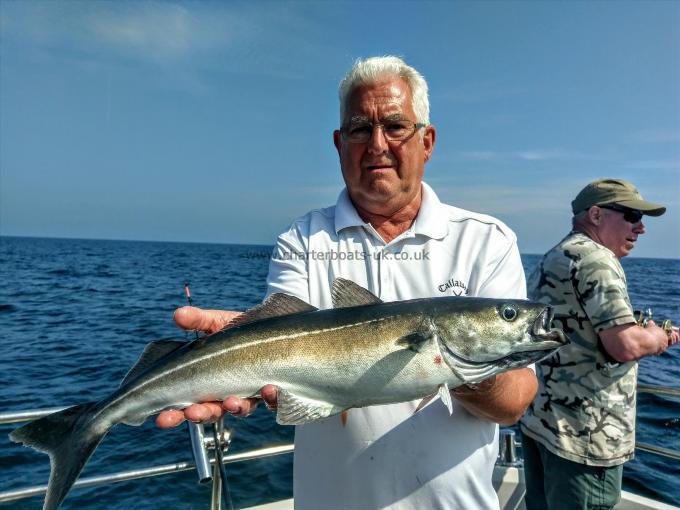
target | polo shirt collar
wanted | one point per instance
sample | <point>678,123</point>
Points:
<point>345,213</point>
<point>430,222</point>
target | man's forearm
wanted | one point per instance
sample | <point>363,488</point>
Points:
<point>630,342</point>
<point>502,400</point>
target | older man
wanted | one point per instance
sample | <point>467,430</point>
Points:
<point>581,428</point>
<point>389,233</point>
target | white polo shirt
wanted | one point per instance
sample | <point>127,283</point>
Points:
<point>387,456</point>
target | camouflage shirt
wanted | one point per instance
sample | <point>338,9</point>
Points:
<point>584,409</point>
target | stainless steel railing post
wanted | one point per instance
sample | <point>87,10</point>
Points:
<point>200,451</point>
<point>507,451</point>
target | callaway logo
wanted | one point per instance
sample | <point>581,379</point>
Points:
<point>457,287</point>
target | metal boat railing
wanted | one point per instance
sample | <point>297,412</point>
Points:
<point>658,390</point>
<point>203,462</point>
<point>134,474</point>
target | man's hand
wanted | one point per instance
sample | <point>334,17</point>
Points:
<point>671,336</point>
<point>212,321</point>
<point>630,342</point>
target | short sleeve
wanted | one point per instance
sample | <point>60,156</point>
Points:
<point>506,275</point>
<point>601,289</point>
<point>288,267</point>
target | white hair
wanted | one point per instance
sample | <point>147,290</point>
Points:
<point>375,69</point>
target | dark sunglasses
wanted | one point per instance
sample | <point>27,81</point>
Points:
<point>630,215</point>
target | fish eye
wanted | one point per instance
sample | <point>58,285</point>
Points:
<point>509,313</point>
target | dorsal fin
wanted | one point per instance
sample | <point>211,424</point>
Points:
<point>346,293</point>
<point>152,353</point>
<point>276,305</point>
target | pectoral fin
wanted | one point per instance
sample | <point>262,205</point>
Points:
<point>445,396</point>
<point>293,409</point>
<point>414,341</point>
<point>424,402</point>
<point>419,338</point>
<point>443,393</point>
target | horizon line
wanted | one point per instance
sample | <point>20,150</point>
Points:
<point>228,243</point>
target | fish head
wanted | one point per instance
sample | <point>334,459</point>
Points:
<point>480,337</point>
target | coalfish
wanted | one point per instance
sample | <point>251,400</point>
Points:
<point>362,352</point>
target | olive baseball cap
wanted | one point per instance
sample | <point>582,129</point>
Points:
<point>614,191</point>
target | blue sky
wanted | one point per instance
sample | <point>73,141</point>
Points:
<point>212,121</point>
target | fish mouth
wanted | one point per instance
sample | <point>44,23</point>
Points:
<point>548,336</point>
<point>521,359</point>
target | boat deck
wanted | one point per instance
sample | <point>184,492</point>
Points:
<point>509,484</point>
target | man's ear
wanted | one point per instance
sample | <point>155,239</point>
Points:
<point>429,139</point>
<point>595,215</point>
<point>337,140</point>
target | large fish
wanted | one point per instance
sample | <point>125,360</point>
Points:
<point>362,352</point>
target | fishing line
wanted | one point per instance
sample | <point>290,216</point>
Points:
<point>187,293</point>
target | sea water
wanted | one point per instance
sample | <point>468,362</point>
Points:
<point>76,314</point>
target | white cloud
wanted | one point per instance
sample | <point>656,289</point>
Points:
<point>482,155</point>
<point>176,45</point>
<point>161,32</point>
<point>545,154</point>
<point>155,31</point>
<point>242,37</point>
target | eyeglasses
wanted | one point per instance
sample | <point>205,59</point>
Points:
<point>394,130</point>
<point>630,215</point>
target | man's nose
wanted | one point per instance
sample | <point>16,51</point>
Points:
<point>639,227</point>
<point>377,144</point>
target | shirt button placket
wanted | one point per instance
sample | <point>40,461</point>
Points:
<point>386,290</point>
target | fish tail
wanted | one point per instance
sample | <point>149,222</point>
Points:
<point>69,437</point>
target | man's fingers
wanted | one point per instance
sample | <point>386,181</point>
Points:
<point>198,413</point>
<point>216,410</point>
<point>189,317</point>
<point>169,419</point>
<point>675,336</point>
<point>240,406</point>
<point>206,321</point>
<point>211,411</point>
<point>203,413</point>
<point>270,394</point>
